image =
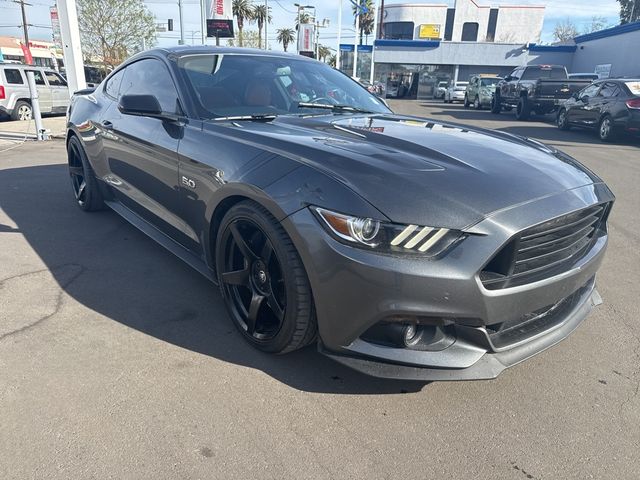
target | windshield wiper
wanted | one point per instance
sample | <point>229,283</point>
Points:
<point>260,117</point>
<point>333,108</point>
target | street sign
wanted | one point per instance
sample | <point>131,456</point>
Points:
<point>55,26</point>
<point>429,30</point>
<point>219,28</point>
<point>305,38</point>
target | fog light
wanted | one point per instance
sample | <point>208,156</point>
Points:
<point>412,335</point>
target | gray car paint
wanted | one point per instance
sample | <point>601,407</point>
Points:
<point>389,167</point>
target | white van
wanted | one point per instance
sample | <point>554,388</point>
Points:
<point>14,91</point>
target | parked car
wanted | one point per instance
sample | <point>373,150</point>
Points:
<point>584,76</point>
<point>403,247</point>
<point>535,89</point>
<point>480,90</point>
<point>395,89</point>
<point>455,92</point>
<point>610,106</point>
<point>15,100</point>
<point>441,89</point>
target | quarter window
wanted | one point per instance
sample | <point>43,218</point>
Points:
<point>112,88</point>
<point>151,77</point>
<point>13,76</point>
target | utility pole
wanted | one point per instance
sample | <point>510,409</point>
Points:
<point>339,34</point>
<point>25,28</point>
<point>355,42</point>
<point>375,36</point>
<point>181,22</point>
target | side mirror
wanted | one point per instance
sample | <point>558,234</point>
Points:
<point>584,98</point>
<point>574,95</point>
<point>508,78</point>
<point>141,105</point>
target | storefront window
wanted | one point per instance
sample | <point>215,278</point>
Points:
<point>412,81</point>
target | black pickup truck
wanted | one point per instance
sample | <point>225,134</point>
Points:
<point>535,89</point>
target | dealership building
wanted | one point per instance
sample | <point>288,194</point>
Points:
<point>423,44</point>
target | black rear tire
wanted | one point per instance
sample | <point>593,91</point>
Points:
<point>466,101</point>
<point>523,109</point>
<point>22,111</point>
<point>263,281</point>
<point>83,178</point>
<point>606,129</point>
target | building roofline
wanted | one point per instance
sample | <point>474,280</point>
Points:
<point>608,32</point>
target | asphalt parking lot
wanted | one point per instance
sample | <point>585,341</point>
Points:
<point>118,361</point>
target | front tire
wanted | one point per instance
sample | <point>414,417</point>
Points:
<point>83,179</point>
<point>263,281</point>
<point>562,121</point>
<point>476,104</point>
<point>495,104</point>
<point>466,101</point>
<point>523,109</point>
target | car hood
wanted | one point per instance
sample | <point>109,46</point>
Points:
<point>420,171</point>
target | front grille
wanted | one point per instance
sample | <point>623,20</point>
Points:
<point>544,250</point>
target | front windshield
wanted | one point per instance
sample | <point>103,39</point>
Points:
<point>238,85</point>
<point>489,82</point>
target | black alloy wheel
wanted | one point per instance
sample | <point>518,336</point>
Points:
<point>562,121</point>
<point>83,181</point>
<point>263,281</point>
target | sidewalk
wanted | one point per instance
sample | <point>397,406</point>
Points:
<point>15,132</point>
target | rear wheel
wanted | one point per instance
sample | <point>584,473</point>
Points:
<point>83,179</point>
<point>562,121</point>
<point>466,101</point>
<point>263,281</point>
<point>523,109</point>
<point>22,111</point>
<point>606,130</point>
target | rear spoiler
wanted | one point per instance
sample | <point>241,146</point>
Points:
<point>85,91</point>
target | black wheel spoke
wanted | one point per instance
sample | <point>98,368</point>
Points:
<point>241,243</point>
<point>237,277</point>
<point>254,307</point>
<point>275,307</point>
<point>81,189</point>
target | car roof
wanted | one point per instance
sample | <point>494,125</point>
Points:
<point>195,49</point>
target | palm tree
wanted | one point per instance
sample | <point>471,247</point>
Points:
<point>261,15</point>
<point>242,10</point>
<point>366,19</point>
<point>323,53</point>
<point>286,36</point>
<point>332,60</point>
<point>304,18</point>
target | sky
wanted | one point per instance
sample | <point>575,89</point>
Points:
<point>579,12</point>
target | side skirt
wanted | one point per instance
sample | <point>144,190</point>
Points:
<point>151,231</point>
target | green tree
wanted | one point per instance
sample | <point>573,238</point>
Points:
<point>243,11</point>
<point>323,53</point>
<point>366,19</point>
<point>112,30</point>
<point>629,11</point>
<point>286,36</point>
<point>261,15</point>
<point>332,60</point>
<point>564,31</point>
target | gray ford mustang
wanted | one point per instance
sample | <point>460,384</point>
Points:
<point>403,247</point>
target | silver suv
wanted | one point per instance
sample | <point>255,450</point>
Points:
<point>14,91</point>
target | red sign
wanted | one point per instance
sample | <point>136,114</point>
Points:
<point>28,59</point>
<point>219,7</point>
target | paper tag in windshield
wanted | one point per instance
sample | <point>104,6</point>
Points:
<point>634,87</point>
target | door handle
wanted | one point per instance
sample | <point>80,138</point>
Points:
<point>107,124</point>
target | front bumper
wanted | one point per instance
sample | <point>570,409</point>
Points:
<point>356,289</point>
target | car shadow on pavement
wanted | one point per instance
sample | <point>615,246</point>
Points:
<point>113,269</point>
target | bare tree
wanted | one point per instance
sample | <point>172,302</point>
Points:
<point>597,23</point>
<point>112,30</point>
<point>565,31</point>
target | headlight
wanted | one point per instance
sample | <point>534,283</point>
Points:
<point>387,237</point>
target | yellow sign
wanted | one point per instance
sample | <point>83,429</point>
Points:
<point>429,30</point>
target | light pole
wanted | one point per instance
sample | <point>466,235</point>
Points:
<point>324,24</point>
<point>339,34</point>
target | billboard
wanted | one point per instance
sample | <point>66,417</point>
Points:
<point>429,30</point>
<point>219,28</point>
<point>219,9</point>
<point>305,37</point>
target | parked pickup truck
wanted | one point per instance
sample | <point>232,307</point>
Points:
<point>536,89</point>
